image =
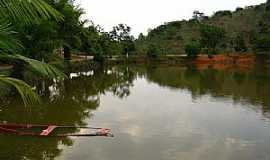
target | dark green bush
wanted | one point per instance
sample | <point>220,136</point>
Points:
<point>153,51</point>
<point>99,58</point>
<point>192,49</point>
<point>262,44</point>
<point>239,43</point>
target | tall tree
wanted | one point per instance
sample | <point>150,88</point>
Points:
<point>71,27</point>
<point>121,33</point>
<point>198,16</point>
<point>211,37</point>
<point>25,13</point>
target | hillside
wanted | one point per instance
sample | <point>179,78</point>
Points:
<point>250,26</point>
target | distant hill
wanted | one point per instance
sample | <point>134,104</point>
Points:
<point>252,24</point>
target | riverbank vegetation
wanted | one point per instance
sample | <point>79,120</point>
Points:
<point>243,30</point>
<point>23,13</point>
<point>47,39</point>
<point>35,33</point>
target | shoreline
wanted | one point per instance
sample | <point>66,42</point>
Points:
<point>201,61</point>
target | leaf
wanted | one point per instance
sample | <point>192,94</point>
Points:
<point>42,68</point>
<point>27,11</point>
<point>28,96</point>
<point>8,43</point>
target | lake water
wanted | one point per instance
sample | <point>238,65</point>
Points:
<point>156,112</point>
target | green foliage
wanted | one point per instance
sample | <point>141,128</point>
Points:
<point>43,69</point>
<point>98,57</point>
<point>239,43</point>
<point>261,40</point>
<point>71,27</point>
<point>223,13</point>
<point>28,96</point>
<point>103,44</point>
<point>121,34</point>
<point>21,13</point>
<point>211,37</point>
<point>198,16</point>
<point>238,9</point>
<point>253,22</point>
<point>7,41</point>
<point>42,38</point>
<point>267,8</point>
<point>167,38</point>
<point>153,51</point>
<point>27,11</point>
<point>262,44</point>
<point>192,49</point>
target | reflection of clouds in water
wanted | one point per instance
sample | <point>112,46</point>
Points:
<point>157,123</point>
<point>238,143</point>
<point>109,72</point>
<point>78,74</point>
<point>210,148</point>
<point>134,131</point>
<point>54,91</point>
<point>195,153</point>
<point>92,98</point>
<point>128,117</point>
<point>186,131</point>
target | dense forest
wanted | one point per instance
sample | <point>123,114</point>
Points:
<point>243,30</point>
<point>34,33</point>
<point>43,39</point>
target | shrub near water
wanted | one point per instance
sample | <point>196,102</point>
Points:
<point>192,49</point>
<point>153,51</point>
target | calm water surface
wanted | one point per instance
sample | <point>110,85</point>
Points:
<point>155,112</point>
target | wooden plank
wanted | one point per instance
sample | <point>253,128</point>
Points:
<point>47,131</point>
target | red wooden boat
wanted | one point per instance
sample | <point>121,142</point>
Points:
<point>47,130</point>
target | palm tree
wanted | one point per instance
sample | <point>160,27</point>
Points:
<point>24,12</point>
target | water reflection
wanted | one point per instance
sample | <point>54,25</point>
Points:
<point>67,102</point>
<point>243,86</point>
<point>150,109</point>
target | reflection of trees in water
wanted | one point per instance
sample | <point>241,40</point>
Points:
<point>242,86</point>
<point>16,148</point>
<point>71,101</point>
<point>124,81</point>
<point>67,102</point>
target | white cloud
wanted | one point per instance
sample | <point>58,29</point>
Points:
<point>144,14</point>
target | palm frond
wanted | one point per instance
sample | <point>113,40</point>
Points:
<point>27,11</point>
<point>8,43</point>
<point>28,96</point>
<point>42,68</point>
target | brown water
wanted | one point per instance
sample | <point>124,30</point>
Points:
<point>155,112</point>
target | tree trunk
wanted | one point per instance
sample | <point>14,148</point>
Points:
<point>17,71</point>
<point>67,54</point>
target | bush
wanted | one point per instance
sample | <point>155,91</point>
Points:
<point>267,8</point>
<point>192,49</point>
<point>262,44</point>
<point>211,37</point>
<point>153,51</point>
<point>99,58</point>
<point>239,43</point>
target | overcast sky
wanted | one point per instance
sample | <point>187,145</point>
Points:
<point>144,14</point>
